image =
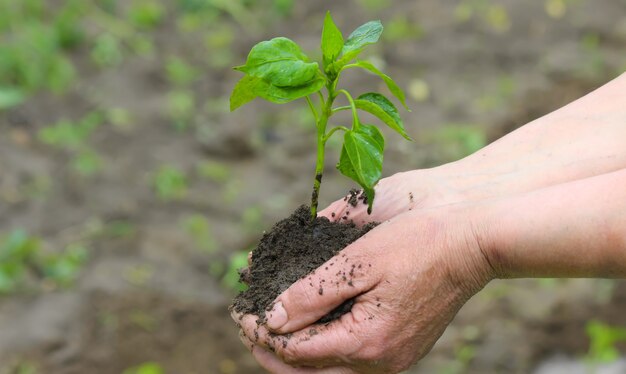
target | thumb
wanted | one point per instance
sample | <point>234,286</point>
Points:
<point>334,211</point>
<point>341,278</point>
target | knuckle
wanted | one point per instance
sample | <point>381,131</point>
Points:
<point>301,296</point>
<point>291,354</point>
<point>371,352</point>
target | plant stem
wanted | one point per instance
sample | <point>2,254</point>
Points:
<point>355,116</point>
<point>339,109</point>
<point>333,130</point>
<point>312,107</point>
<point>322,122</point>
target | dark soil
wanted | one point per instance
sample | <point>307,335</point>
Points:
<point>155,295</point>
<point>293,248</point>
<point>355,196</point>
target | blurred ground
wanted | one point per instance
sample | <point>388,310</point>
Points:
<point>128,193</point>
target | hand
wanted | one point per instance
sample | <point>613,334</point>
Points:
<point>409,277</point>
<point>400,193</point>
<point>397,194</point>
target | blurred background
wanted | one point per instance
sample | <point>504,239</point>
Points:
<point>129,194</point>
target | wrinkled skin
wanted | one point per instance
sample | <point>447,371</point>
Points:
<point>429,256</point>
<point>410,275</point>
<point>399,194</point>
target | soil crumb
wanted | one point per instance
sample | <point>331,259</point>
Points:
<point>293,248</point>
<point>353,199</point>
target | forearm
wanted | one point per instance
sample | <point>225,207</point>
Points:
<point>582,139</point>
<point>576,229</point>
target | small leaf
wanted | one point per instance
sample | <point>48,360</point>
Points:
<point>332,40</point>
<point>282,95</point>
<point>393,87</point>
<point>374,133</point>
<point>245,91</point>
<point>249,88</point>
<point>364,35</point>
<point>381,107</point>
<point>362,158</point>
<point>281,63</point>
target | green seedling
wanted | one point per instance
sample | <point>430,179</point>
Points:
<point>230,279</point>
<point>180,106</point>
<point>107,51</point>
<point>603,339</point>
<point>214,171</point>
<point>199,229</point>
<point>71,135</point>
<point>146,368</point>
<point>20,366</point>
<point>87,162</point>
<point>278,71</point>
<point>180,72</point>
<point>459,140</point>
<point>146,14</point>
<point>170,183</point>
<point>283,7</point>
<point>373,6</point>
<point>22,260</point>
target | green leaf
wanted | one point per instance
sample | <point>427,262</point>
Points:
<point>249,88</point>
<point>362,158</point>
<point>332,40</point>
<point>281,63</point>
<point>381,107</point>
<point>374,133</point>
<point>245,91</point>
<point>364,35</point>
<point>393,87</point>
<point>282,95</point>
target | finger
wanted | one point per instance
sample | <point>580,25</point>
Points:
<point>350,208</point>
<point>252,330</point>
<point>273,364</point>
<point>246,342</point>
<point>250,258</point>
<point>354,208</point>
<point>322,345</point>
<point>346,275</point>
<point>334,211</point>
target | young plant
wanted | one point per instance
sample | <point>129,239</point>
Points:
<point>278,71</point>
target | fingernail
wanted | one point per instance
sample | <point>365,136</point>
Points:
<point>277,317</point>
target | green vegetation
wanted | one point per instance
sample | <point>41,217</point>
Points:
<point>602,341</point>
<point>33,44</point>
<point>146,368</point>
<point>237,261</point>
<point>62,64</point>
<point>278,71</point>
<point>198,227</point>
<point>170,183</point>
<point>22,262</point>
<point>23,367</point>
<point>181,106</point>
<point>72,137</point>
<point>456,141</point>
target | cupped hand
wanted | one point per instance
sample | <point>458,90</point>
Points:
<point>397,194</point>
<point>408,277</point>
<point>400,193</point>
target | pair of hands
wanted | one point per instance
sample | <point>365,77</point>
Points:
<point>444,236</point>
<point>411,274</point>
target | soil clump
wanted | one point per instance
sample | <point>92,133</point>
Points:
<point>292,249</point>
